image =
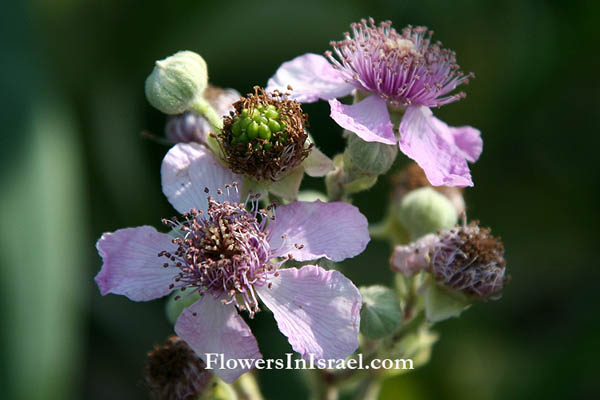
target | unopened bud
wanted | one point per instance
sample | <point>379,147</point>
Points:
<point>425,210</point>
<point>372,158</point>
<point>176,82</point>
<point>413,177</point>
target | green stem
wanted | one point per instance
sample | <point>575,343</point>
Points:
<point>369,388</point>
<point>202,107</point>
<point>246,388</point>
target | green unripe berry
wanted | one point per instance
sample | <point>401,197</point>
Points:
<point>255,114</point>
<point>245,123</point>
<point>267,146</point>
<point>252,130</point>
<point>274,126</point>
<point>264,132</point>
<point>236,128</point>
<point>260,108</point>
<point>244,113</point>
<point>272,114</point>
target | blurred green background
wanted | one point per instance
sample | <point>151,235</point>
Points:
<point>73,165</point>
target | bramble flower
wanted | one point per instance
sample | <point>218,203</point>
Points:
<point>231,252</point>
<point>390,71</point>
<point>466,259</point>
<point>265,139</point>
<point>191,127</point>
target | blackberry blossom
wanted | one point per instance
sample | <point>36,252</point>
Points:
<point>405,73</point>
<point>264,137</point>
<point>231,253</point>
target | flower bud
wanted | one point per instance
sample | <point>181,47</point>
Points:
<point>173,371</point>
<point>424,211</point>
<point>372,158</point>
<point>413,177</point>
<point>191,127</point>
<point>380,314</point>
<point>176,82</point>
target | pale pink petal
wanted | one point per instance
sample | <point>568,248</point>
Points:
<point>189,168</point>
<point>318,310</point>
<point>412,258</point>
<point>311,77</point>
<point>313,230</point>
<point>429,142</point>
<point>369,119</point>
<point>213,329</point>
<point>317,164</point>
<point>131,264</point>
<point>468,139</point>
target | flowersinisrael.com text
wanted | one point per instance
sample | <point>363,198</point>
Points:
<point>218,361</point>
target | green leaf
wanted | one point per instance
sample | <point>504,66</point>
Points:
<point>380,313</point>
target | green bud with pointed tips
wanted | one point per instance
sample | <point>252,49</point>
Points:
<point>176,82</point>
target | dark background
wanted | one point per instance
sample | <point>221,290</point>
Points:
<point>73,165</point>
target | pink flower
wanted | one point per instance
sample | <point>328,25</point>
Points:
<point>398,72</point>
<point>231,254</point>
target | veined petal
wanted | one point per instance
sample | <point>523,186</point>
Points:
<point>131,264</point>
<point>213,329</point>
<point>313,230</point>
<point>189,168</point>
<point>318,310</point>
<point>317,164</point>
<point>311,77</point>
<point>430,142</point>
<point>468,139</point>
<point>369,119</point>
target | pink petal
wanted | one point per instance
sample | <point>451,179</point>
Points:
<point>189,168</point>
<point>430,142</point>
<point>369,119</point>
<point>311,77</point>
<point>468,139</point>
<point>318,310</point>
<point>412,258</point>
<point>333,230</point>
<point>131,263</point>
<point>211,327</point>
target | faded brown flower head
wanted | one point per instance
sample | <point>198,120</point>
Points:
<point>264,138</point>
<point>173,371</point>
<point>470,260</point>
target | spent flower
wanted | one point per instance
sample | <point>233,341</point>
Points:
<point>465,259</point>
<point>174,372</point>
<point>393,72</point>
<point>231,253</point>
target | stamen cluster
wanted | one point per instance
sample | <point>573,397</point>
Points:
<point>223,251</point>
<point>405,69</point>
<point>469,259</point>
<point>264,137</point>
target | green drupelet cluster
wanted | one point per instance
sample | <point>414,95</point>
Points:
<point>262,126</point>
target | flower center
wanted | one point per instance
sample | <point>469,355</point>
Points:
<point>404,68</point>
<point>264,138</point>
<point>223,251</point>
